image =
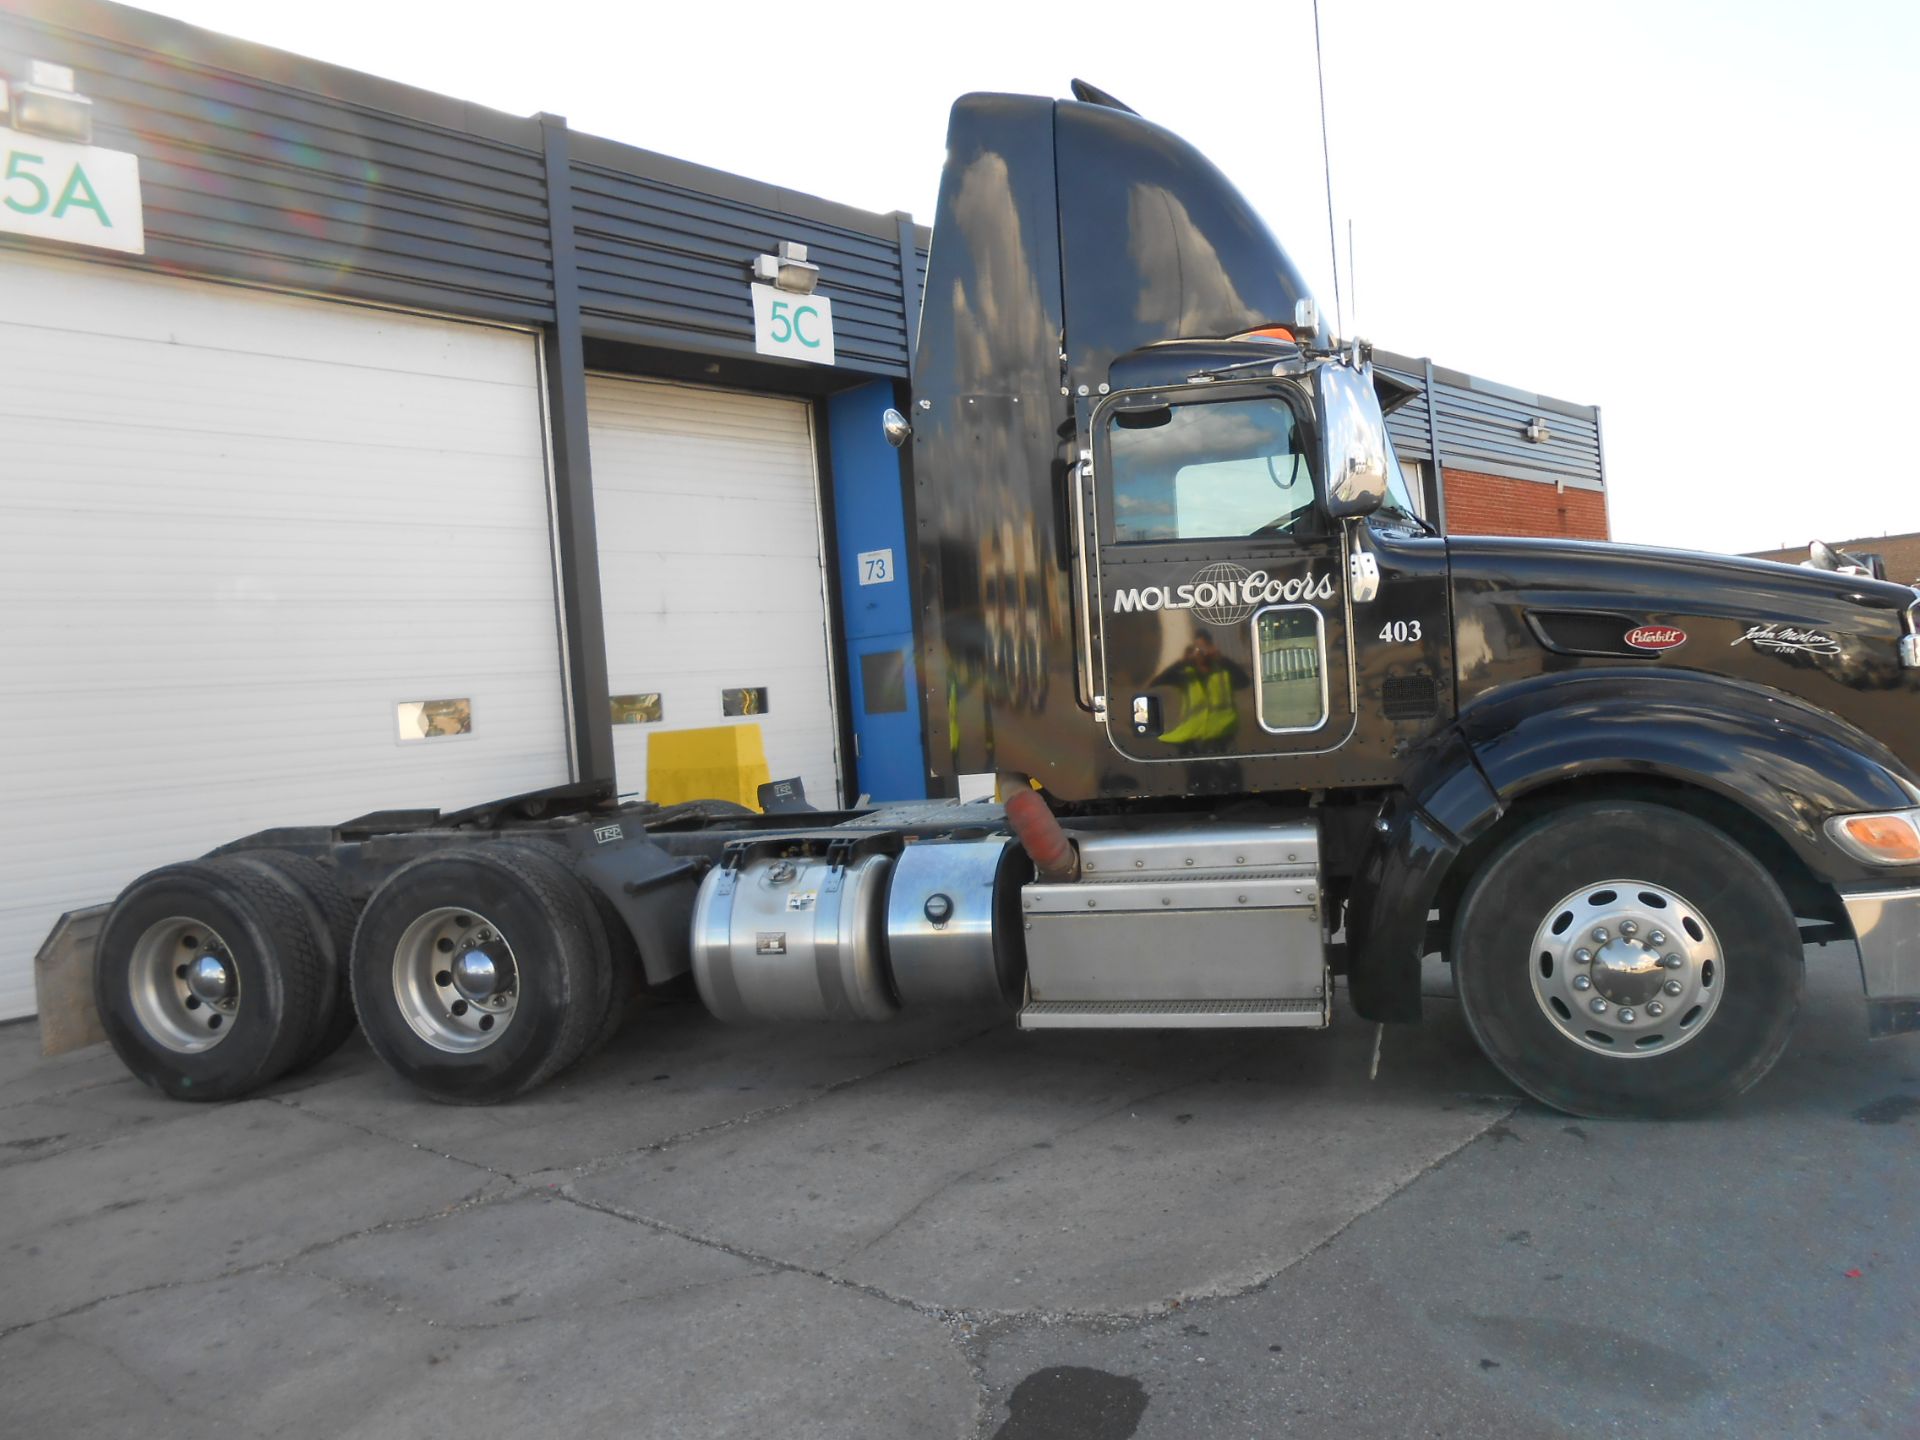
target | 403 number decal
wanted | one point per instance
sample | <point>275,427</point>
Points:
<point>1401,632</point>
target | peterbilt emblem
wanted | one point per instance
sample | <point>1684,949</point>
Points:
<point>1224,593</point>
<point>1656,637</point>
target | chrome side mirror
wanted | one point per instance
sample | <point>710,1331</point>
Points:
<point>895,427</point>
<point>1353,439</point>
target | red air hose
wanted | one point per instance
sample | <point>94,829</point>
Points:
<point>1040,834</point>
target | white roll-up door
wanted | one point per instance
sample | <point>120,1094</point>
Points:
<point>237,530</point>
<point>707,510</point>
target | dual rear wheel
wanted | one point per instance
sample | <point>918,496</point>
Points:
<point>475,973</point>
<point>215,977</point>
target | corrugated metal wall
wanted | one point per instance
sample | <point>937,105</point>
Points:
<point>1483,427</point>
<point>249,178</point>
<point>663,261</point>
<point>270,168</point>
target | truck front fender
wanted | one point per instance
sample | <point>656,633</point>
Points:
<point>1788,763</point>
<point>1785,763</point>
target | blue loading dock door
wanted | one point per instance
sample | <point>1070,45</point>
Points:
<point>870,521</point>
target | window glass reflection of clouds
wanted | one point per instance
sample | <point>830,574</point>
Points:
<point>1208,471</point>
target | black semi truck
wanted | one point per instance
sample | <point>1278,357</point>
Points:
<point>1254,724</point>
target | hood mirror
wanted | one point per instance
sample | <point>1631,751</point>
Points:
<point>1822,556</point>
<point>895,427</point>
<point>1353,439</point>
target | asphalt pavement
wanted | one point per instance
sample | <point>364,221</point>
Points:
<point>940,1229</point>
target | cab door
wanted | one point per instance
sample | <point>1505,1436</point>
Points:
<point>1222,607</point>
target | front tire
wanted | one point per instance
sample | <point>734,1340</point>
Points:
<point>1618,959</point>
<point>480,973</point>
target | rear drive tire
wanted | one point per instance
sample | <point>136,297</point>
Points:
<point>1619,959</point>
<point>208,978</point>
<point>334,916</point>
<point>480,973</point>
<point>623,954</point>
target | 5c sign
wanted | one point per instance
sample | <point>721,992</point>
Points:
<point>795,327</point>
<point>75,193</point>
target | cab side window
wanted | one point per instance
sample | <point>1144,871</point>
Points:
<point>1211,471</point>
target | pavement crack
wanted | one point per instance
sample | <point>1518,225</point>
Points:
<point>276,1262</point>
<point>752,1257</point>
<point>601,1163</point>
<point>415,1311</point>
<point>286,1103</point>
<point>962,1176</point>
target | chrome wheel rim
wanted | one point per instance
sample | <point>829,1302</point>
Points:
<point>455,980</point>
<point>184,984</point>
<point>1627,969</point>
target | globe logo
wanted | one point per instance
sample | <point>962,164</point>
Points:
<point>1219,585</point>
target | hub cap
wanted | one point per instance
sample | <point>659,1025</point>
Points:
<point>455,980</point>
<point>1627,969</point>
<point>184,985</point>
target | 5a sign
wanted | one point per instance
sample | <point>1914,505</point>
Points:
<point>73,193</point>
<point>795,327</point>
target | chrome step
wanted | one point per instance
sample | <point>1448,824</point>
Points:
<point>1304,1014</point>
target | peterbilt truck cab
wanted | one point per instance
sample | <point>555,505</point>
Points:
<point>1259,734</point>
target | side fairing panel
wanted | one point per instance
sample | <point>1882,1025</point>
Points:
<point>991,441</point>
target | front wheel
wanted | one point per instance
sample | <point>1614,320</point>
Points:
<point>1618,958</point>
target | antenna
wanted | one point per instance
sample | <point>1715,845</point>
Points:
<point>1326,165</point>
<point>1353,278</point>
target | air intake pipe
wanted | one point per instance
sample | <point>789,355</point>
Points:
<point>1038,832</point>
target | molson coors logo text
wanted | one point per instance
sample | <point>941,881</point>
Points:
<point>1224,593</point>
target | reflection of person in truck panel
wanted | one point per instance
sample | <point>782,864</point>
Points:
<point>1207,681</point>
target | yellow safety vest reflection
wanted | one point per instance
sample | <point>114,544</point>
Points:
<point>1210,713</point>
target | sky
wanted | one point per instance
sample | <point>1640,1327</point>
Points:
<point>1694,215</point>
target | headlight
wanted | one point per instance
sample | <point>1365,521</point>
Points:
<point>1891,837</point>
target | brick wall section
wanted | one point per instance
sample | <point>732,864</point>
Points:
<point>1901,552</point>
<point>1495,505</point>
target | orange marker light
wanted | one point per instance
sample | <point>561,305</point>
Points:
<point>1884,839</point>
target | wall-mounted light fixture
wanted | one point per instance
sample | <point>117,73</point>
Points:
<point>789,270</point>
<point>45,103</point>
<point>1537,431</point>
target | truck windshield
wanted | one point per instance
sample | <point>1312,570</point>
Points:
<point>1208,471</point>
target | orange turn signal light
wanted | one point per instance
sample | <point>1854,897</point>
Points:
<point>1889,839</point>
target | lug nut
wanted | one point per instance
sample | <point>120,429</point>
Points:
<point>1600,935</point>
<point>1672,962</point>
<point>1581,982</point>
<point>1626,1017</point>
<point>1672,987</point>
<point>1656,1009</point>
<point>1658,937</point>
<point>1597,1005</point>
<point>1627,927</point>
<point>1583,957</point>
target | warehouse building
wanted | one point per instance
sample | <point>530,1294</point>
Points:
<point>366,448</point>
